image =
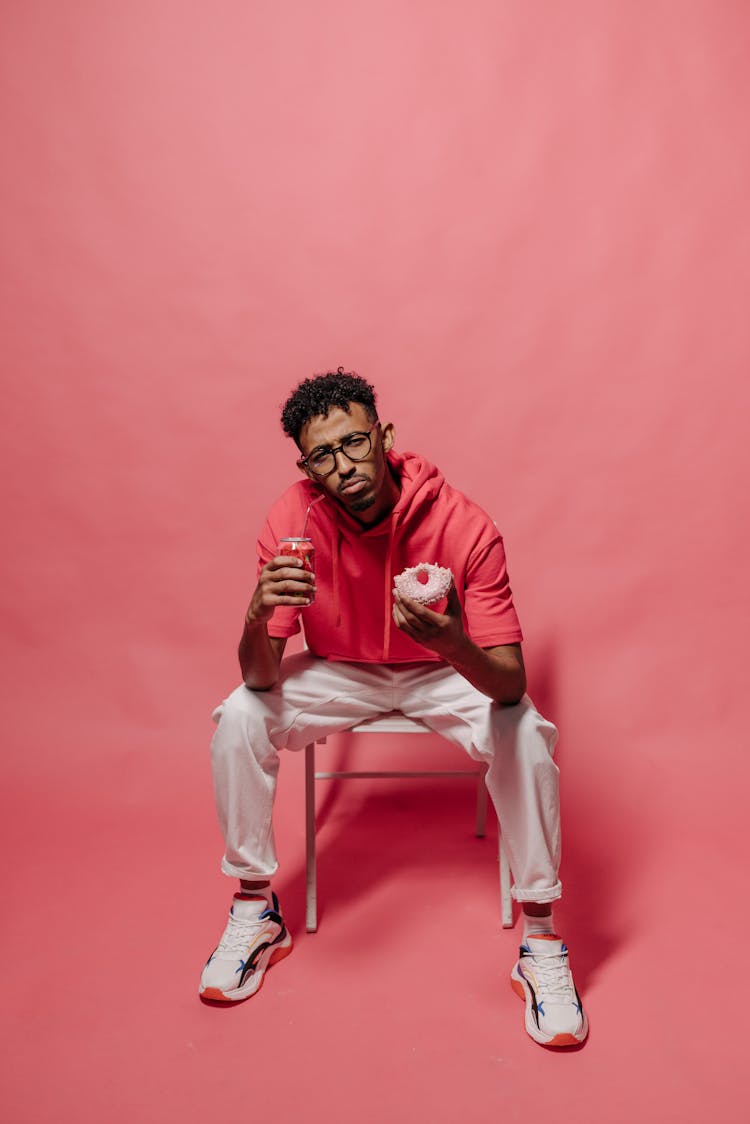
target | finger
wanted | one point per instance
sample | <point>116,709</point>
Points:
<point>290,599</point>
<point>290,573</point>
<point>296,583</point>
<point>402,623</point>
<point>287,561</point>
<point>406,604</point>
<point>408,618</point>
<point>418,611</point>
<point>284,560</point>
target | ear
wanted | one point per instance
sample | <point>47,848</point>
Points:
<point>306,472</point>
<point>389,436</point>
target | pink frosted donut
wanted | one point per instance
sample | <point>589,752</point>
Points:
<point>424,583</point>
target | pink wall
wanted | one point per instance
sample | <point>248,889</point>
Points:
<point>532,236</point>
<point>528,228</point>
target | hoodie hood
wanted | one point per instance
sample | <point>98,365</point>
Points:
<point>419,484</point>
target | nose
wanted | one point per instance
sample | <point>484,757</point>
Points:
<point>348,468</point>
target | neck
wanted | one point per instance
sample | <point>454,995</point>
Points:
<point>384,504</point>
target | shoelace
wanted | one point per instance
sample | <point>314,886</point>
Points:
<point>553,977</point>
<point>239,934</point>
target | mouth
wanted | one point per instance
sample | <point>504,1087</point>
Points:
<point>354,486</point>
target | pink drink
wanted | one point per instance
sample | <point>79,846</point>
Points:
<point>299,548</point>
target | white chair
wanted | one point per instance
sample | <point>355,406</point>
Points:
<point>393,723</point>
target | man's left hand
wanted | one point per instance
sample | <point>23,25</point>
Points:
<point>440,632</point>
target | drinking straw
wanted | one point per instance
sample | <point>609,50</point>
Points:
<point>307,513</point>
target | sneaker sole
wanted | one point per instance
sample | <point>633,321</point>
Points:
<point>523,990</point>
<point>276,953</point>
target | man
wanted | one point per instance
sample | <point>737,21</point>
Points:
<point>372,513</point>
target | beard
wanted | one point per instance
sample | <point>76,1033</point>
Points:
<point>363,503</point>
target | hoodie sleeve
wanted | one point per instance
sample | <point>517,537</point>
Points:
<point>488,601</point>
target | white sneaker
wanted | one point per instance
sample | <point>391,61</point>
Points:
<point>255,937</point>
<point>542,977</point>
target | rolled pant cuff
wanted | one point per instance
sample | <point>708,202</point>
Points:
<point>549,895</point>
<point>245,872</point>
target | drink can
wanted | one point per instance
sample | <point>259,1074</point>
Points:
<point>299,548</point>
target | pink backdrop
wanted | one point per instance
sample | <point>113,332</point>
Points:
<point>528,226</point>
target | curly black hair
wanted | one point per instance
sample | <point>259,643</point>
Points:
<point>315,397</point>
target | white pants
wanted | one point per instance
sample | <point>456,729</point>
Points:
<point>315,697</point>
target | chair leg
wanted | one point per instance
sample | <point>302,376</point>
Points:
<point>311,921</point>
<point>506,902</point>
<point>481,804</point>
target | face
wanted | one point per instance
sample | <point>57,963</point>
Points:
<point>365,488</point>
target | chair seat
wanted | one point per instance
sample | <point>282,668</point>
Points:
<point>392,723</point>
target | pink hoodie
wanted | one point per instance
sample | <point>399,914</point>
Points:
<point>350,618</point>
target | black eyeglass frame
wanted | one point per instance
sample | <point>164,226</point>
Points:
<point>304,462</point>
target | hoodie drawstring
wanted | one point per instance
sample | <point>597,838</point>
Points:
<point>336,594</point>
<point>388,588</point>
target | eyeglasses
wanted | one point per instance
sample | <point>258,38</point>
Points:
<point>322,461</point>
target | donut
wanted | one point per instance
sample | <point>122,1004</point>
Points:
<point>425,583</point>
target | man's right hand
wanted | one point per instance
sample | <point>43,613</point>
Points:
<point>282,581</point>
